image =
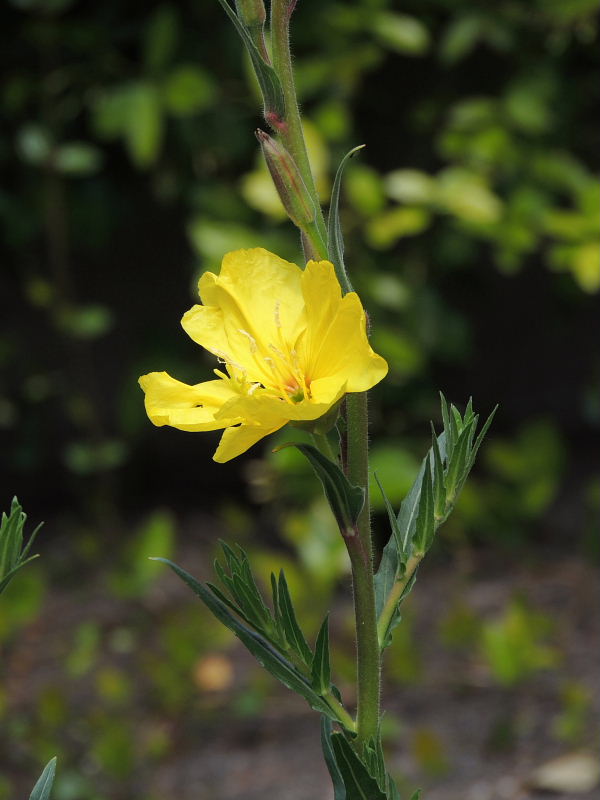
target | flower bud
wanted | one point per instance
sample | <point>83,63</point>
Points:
<point>252,15</point>
<point>251,12</point>
<point>286,176</point>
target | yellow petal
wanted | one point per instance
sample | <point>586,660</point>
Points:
<point>189,408</point>
<point>253,305</point>
<point>336,344</point>
<point>237,440</point>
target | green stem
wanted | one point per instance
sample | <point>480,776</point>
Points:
<point>290,128</point>
<point>394,596</point>
<point>361,558</point>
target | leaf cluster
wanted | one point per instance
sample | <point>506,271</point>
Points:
<point>14,553</point>
<point>427,505</point>
<point>272,635</point>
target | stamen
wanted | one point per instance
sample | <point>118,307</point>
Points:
<point>251,340</point>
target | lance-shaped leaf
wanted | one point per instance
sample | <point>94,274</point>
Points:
<point>13,555</point>
<point>320,670</point>
<point>268,79</point>
<point>425,525</point>
<point>335,237</point>
<point>43,787</point>
<point>289,623</point>
<point>439,483</point>
<point>359,784</point>
<point>264,652</point>
<point>345,499</point>
<point>339,789</point>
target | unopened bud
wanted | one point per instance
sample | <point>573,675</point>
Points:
<point>286,176</point>
<point>252,15</point>
<point>251,12</point>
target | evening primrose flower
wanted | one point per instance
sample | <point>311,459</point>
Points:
<point>290,346</point>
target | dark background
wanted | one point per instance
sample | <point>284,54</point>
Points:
<point>129,167</point>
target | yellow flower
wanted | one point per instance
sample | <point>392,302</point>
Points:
<point>291,346</point>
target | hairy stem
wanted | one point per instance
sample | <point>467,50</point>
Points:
<point>290,128</point>
<point>361,557</point>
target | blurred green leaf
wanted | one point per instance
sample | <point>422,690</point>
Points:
<point>404,34</point>
<point>143,124</point>
<point>77,158</point>
<point>160,37</point>
<point>187,90</point>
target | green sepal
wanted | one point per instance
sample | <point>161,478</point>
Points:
<point>335,238</point>
<point>268,79</point>
<point>43,786</point>
<point>458,466</point>
<point>288,621</point>
<point>320,668</point>
<point>416,795</point>
<point>359,784</point>
<point>265,653</point>
<point>345,499</point>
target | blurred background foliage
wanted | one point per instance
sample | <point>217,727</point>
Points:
<point>472,224</point>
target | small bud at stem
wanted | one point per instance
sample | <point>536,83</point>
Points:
<point>252,15</point>
<point>286,176</point>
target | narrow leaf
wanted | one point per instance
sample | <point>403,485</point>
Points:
<point>425,528</point>
<point>392,518</point>
<point>321,671</point>
<point>359,784</point>
<point>458,464</point>
<point>339,790</point>
<point>345,499</point>
<point>291,628</point>
<point>264,652</point>
<point>481,437</point>
<point>439,487</point>
<point>335,239</point>
<point>43,787</point>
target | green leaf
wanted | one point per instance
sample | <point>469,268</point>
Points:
<point>13,555</point>
<point>402,33</point>
<point>439,486</point>
<point>291,628</point>
<point>357,781</point>
<point>345,499</point>
<point>321,671</point>
<point>43,787</point>
<point>458,465</point>
<point>144,124</point>
<point>187,90</point>
<point>335,237</point>
<point>481,436</point>
<point>160,37</point>
<point>267,77</point>
<point>339,790</point>
<point>264,652</point>
<point>393,520</point>
<point>78,159</point>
